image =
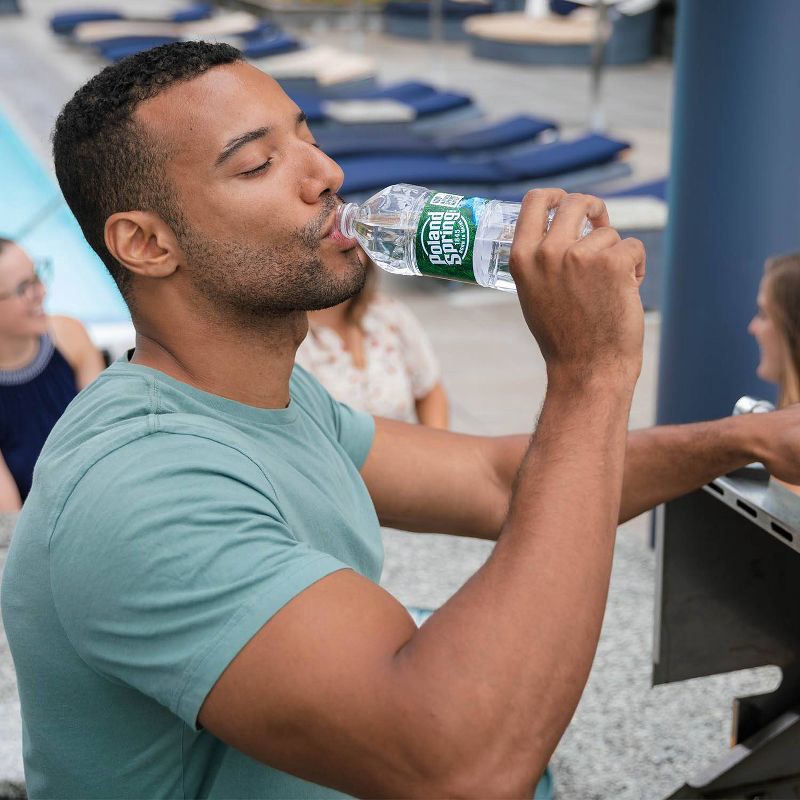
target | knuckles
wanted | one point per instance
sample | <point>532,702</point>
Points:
<point>548,254</point>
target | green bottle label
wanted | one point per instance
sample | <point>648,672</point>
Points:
<point>445,237</point>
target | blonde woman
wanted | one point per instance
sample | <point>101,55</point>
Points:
<point>44,362</point>
<point>776,326</point>
<point>372,353</point>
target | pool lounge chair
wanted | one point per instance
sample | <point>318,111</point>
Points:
<point>386,113</point>
<point>247,30</point>
<point>321,71</point>
<point>506,136</point>
<point>234,23</point>
<point>575,165</point>
<point>401,92</point>
<point>65,22</point>
<point>268,41</point>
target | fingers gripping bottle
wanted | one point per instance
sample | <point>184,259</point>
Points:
<point>411,230</point>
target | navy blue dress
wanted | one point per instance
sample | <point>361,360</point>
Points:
<point>31,401</point>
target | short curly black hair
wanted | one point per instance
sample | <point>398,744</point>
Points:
<point>104,161</point>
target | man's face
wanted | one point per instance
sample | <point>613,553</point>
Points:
<point>256,198</point>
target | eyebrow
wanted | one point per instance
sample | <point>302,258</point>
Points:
<point>240,141</point>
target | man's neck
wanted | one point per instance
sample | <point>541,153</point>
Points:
<point>250,364</point>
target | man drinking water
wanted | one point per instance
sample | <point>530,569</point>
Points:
<point>191,595</point>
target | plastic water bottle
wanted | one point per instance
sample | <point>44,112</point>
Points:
<point>411,230</point>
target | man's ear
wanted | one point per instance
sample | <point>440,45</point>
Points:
<point>144,243</point>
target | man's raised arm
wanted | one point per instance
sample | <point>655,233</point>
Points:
<point>340,688</point>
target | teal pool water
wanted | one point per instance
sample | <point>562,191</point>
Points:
<point>81,287</point>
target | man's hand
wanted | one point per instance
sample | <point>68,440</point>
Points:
<point>774,440</point>
<point>580,297</point>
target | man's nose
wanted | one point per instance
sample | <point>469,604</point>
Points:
<point>324,175</point>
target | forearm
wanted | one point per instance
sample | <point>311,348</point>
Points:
<point>432,410</point>
<point>91,366</point>
<point>665,462</point>
<point>661,463</point>
<point>527,623</point>
<point>10,501</point>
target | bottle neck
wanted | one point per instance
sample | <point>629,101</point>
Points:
<point>346,219</point>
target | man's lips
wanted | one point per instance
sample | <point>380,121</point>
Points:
<point>340,240</point>
<point>333,234</point>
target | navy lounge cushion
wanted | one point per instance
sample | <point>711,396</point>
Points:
<point>108,46</point>
<point>339,144</point>
<point>513,131</point>
<point>438,102</point>
<point>267,40</point>
<point>427,105</point>
<point>193,13</point>
<point>270,45</point>
<point>559,157</point>
<point>311,106</point>
<point>399,91</point>
<point>263,28</point>
<point>63,24</point>
<point>117,49</point>
<point>375,172</point>
<point>66,22</point>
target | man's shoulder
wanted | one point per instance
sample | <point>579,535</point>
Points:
<point>124,416</point>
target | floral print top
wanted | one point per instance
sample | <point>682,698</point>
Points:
<point>400,368</point>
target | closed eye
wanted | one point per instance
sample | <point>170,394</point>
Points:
<point>257,170</point>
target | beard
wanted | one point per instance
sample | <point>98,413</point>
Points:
<point>284,277</point>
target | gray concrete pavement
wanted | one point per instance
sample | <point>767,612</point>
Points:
<point>627,741</point>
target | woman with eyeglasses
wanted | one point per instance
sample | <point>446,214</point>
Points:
<point>44,362</point>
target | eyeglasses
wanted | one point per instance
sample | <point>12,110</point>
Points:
<point>42,272</point>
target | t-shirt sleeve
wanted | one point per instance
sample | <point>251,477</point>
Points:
<point>354,430</point>
<point>421,362</point>
<point>169,556</point>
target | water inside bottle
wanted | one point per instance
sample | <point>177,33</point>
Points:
<point>388,243</point>
<point>501,252</point>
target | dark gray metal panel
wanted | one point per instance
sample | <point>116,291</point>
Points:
<point>764,767</point>
<point>728,598</point>
<point>729,591</point>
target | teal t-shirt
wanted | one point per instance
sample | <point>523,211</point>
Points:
<point>164,528</point>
